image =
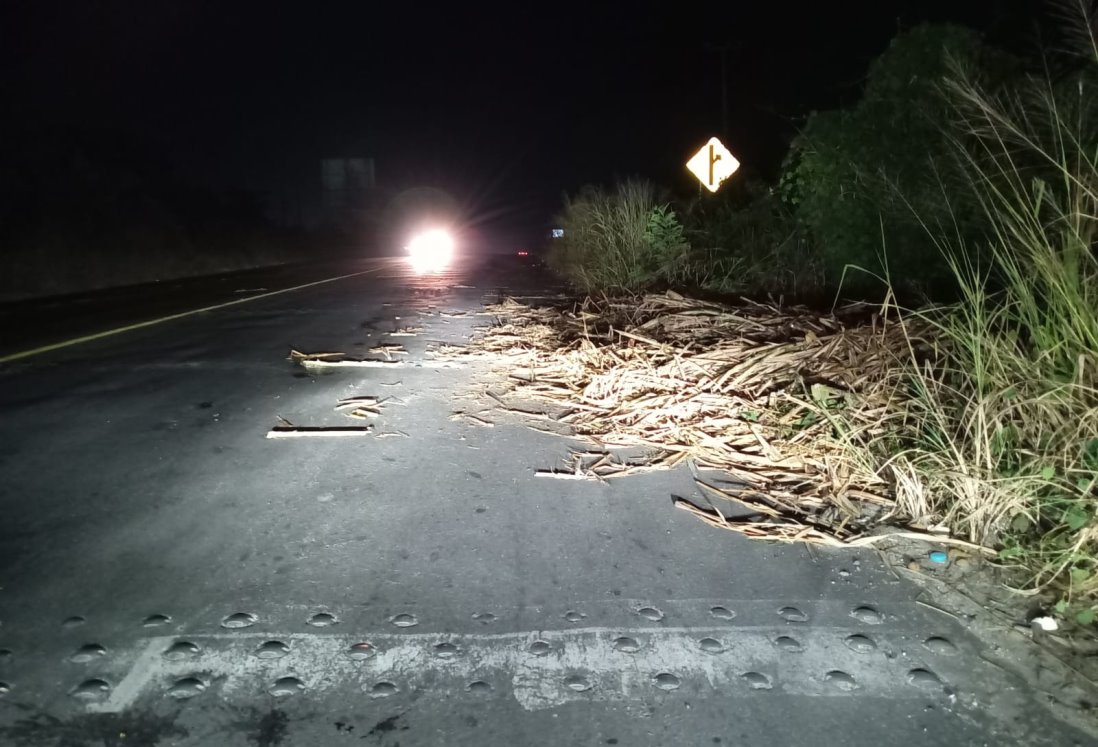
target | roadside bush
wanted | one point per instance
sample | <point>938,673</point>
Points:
<point>745,240</point>
<point>622,239</point>
<point>877,174</point>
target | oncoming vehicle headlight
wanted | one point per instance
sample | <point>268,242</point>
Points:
<point>431,251</point>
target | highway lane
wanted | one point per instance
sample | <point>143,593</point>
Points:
<point>170,576</point>
<point>29,326</point>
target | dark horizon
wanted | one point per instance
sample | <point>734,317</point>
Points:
<point>503,110</point>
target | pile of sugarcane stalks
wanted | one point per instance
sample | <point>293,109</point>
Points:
<point>773,397</point>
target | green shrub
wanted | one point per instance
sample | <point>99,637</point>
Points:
<point>664,234</point>
<point>624,239</point>
<point>880,173</point>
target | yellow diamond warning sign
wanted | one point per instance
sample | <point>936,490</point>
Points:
<point>713,164</point>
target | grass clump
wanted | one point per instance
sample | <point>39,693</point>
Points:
<point>998,437</point>
<point>619,239</point>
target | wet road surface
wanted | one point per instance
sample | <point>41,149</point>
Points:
<point>170,576</point>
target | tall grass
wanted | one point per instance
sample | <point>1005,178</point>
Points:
<point>620,239</point>
<point>998,435</point>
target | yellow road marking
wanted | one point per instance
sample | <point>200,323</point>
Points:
<point>171,317</point>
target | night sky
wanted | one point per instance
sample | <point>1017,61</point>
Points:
<point>506,109</point>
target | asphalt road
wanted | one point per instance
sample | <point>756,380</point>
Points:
<point>170,576</point>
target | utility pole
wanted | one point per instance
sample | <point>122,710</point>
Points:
<point>723,49</point>
<point>724,90</point>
